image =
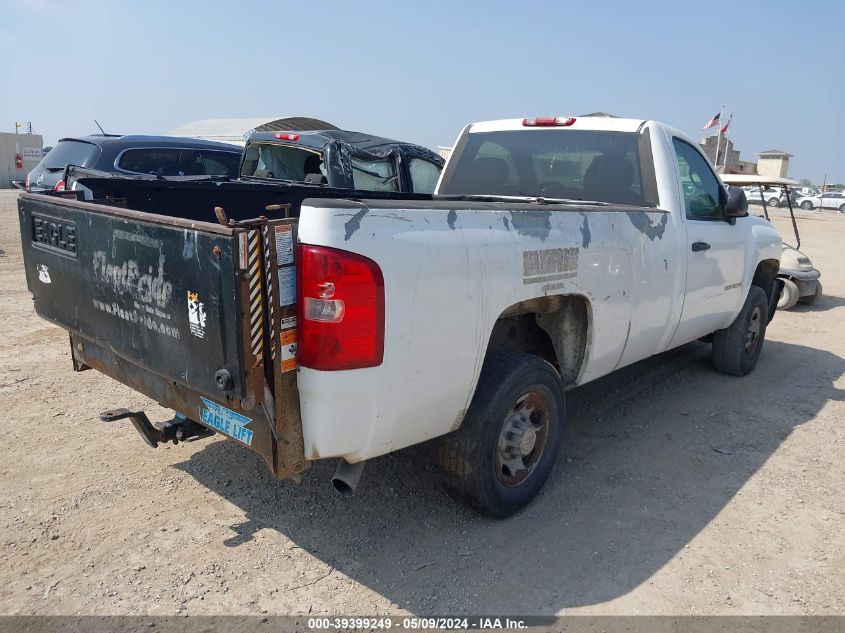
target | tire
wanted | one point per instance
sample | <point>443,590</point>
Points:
<point>774,297</point>
<point>789,295</point>
<point>811,299</point>
<point>774,203</point>
<point>807,205</point>
<point>737,347</point>
<point>481,460</point>
<point>842,208</point>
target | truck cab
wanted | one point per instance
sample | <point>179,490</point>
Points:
<point>338,158</point>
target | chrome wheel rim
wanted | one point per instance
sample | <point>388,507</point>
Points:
<point>522,439</point>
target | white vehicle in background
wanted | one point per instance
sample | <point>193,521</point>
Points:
<point>799,280</point>
<point>327,323</point>
<point>827,200</point>
<point>754,195</point>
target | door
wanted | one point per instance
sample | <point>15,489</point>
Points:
<point>831,200</point>
<point>714,249</point>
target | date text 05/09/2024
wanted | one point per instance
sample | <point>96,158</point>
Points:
<point>415,623</point>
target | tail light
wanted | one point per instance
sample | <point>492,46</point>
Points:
<point>26,183</point>
<point>287,137</point>
<point>60,186</point>
<point>340,309</point>
<point>549,121</point>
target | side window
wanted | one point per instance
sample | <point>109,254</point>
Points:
<point>163,162</point>
<point>700,186</point>
<point>219,163</point>
<point>374,175</point>
<point>424,175</point>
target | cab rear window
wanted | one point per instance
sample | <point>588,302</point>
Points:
<point>557,163</point>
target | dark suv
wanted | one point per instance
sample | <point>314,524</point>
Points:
<point>157,155</point>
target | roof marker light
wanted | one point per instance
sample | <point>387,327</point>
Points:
<point>287,137</point>
<point>549,121</point>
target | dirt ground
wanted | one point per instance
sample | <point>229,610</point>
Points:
<point>678,491</point>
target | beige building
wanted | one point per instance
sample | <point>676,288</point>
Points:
<point>728,156</point>
<point>18,149</point>
<point>773,162</point>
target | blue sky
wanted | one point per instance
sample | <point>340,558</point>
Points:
<point>419,71</point>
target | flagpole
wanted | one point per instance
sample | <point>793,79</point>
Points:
<point>730,118</point>
<point>719,137</point>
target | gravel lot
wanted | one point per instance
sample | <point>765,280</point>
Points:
<point>679,491</point>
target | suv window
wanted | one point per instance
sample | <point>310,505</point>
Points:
<point>214,163</point>
<point>553,163</point>
<point>699,184</point>
<point>71,153</point>
<point>159,161</point>
<point>424,175</point>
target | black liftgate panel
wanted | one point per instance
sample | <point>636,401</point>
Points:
<point>178,310</point>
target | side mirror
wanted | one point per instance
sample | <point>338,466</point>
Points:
<point>736,205</point>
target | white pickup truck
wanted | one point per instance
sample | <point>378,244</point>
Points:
<point>311,323</point>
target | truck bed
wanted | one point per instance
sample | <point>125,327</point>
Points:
<point>195,199</point>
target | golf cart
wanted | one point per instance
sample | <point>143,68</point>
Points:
<point>799,281</point>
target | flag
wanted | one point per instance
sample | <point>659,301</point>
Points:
<point>727,125</point>
<point>713,122</point>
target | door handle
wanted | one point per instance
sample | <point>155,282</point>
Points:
<point>700,246</point>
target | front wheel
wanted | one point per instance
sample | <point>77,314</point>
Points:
<point>774,203</point>
<point>842,208</point>
<point>737,347</point>
<point>807,205</point>
<point>500,457</point>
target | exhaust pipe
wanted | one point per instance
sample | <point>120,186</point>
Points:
<point>346,477</point>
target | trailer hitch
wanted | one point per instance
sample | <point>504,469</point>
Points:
<point>179,429</point>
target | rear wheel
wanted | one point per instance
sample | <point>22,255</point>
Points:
<point>842,208</point>
<point>807,205</point>
<point>774,202</point>
<point>737,348</point>
<point>809,300</point>
<point>789,295</point>
<point>500,457</point>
